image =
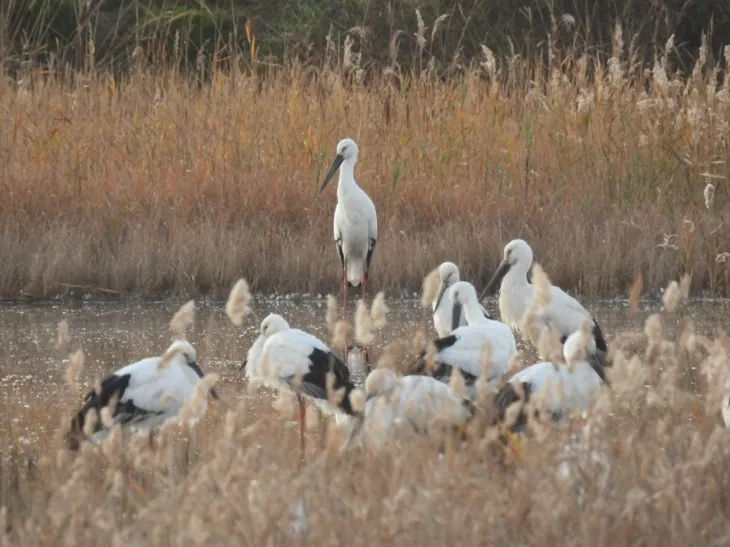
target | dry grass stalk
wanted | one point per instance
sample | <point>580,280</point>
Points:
<point>456,383</point>
<point>183,318</point>
<point>332,314</point>
<point>73,369</point>
<point>237,304</point>
<point>637,287</point>
<point>63,337</point>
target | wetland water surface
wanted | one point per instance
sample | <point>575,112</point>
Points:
<point>34,396</point>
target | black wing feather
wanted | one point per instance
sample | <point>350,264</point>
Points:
<point>110,386</point>
<point>369,256</point>
<point>314,383</point>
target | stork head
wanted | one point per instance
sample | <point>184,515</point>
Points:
<point>272,324</point>
<point>517,256</point>
<point>462,294</point>
<point>346,152</point>
<point>449,274</point>
<point>189,355</point>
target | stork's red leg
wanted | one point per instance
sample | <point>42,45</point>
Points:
<point>344,306</point>
<point>301,429</point>
<point>363,282</point>
<point>344,289</point>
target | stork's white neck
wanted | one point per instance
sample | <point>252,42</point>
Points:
<point>347,183</point>
<point>473,313</point>
<point>516,276</point>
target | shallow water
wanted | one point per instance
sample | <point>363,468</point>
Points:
<point>32,369</point>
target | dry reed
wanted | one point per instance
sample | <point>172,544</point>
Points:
<point>155,183</point>
<point>646,466</point>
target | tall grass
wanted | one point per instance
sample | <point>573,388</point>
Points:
<point>648,465</point>
<point>162,182</point>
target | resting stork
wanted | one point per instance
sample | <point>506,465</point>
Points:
<point>464,347</point>
<point>564,313</point>
<point>282,356</point>
<point>442,307</point>
<point>147,392</point>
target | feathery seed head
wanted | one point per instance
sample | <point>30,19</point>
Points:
<point>381,381</point>
<point>357,400</point>
<point>430,287</point>
<point>107,414</point>
<point>541,282</point>
<point>237,305</point>
<point>653,328</point>
<point>342,332</point>
<point>363,325</point>
<point>183,318</point>
<point>379,311</point>
<point>90,421</point>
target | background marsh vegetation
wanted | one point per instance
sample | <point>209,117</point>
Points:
<point>166,174</point>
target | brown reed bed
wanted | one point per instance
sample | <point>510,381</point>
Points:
<point>648,465</point>
<point>157,183</point>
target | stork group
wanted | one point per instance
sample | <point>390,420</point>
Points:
<point>383,402</point>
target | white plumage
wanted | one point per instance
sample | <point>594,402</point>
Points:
<point>442,307</point>
<point>410,403</point>
<point>149,392</point>
<point>464,348</point>
<point>561,388</point>
<point>564,313</point>
<point>355,223</point>
<point>283,356</point>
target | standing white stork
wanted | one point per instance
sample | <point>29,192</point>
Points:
<point>442,307</point>
<point>418,403</point>
<point>464,347</point>
<point>283,356</point>
<point>565,387</point>
<point>564,313</point>
<point>148,393</point>
<point>356,223</point>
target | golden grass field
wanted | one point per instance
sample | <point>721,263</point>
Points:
<point>647,466</point>
<point>158,183</point>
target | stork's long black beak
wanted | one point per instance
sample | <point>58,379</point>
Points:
<point>502,270</point>
<point>455,316</point>
<point>200,374</point>
<point>442,290</point>
<point>597,365</point>
<point>243,364</point>
<point>339,158</point>
<point>196,368</point>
